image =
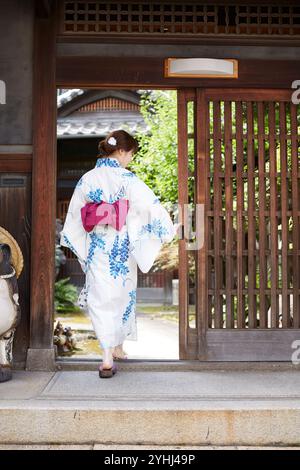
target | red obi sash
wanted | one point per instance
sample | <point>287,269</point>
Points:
<point>94,213</point>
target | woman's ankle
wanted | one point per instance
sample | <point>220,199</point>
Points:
<point>107,356</point>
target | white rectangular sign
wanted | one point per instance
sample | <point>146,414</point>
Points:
<point>2,92</point>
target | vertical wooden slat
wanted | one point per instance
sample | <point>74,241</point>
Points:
<point>262,217</point>
<point>209,227</point>
<point>201,193</point>
<point>194,202</point>
<point>229,217</point>
<point>296,218</point>
<point>240,228</point>
<point>218,317</point>
<point>273,217</point>
<point>239,157</point>
<point>251,220</point>
<point>284,219</point>
<point>183,199</point>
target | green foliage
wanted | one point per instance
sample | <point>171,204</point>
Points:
<point>156,162</point>
<point>65,296</point>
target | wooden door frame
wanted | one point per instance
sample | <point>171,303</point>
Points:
<point>252,344</point>
<point>50,71</point>
<point>219,344</point>
<point>40,355</point>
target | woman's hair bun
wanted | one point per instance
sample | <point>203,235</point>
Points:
<point>115,140</point>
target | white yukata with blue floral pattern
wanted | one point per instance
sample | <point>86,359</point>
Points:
<point>108,257</point>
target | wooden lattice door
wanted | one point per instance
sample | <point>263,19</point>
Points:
<point>238,163</point>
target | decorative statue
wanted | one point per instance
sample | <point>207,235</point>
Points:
<point>11,265</point>
<point>64,340</point>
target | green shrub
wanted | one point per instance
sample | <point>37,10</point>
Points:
<point>65,296</point>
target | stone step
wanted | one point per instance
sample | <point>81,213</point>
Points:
<point>152,407</point>
<point>122,447</point>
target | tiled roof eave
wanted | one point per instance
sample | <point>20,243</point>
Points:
<point>76,129</point>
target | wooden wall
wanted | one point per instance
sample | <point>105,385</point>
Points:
<point>15,216</point>
<point>16,40</point>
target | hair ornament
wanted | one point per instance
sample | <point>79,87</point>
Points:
<point>112,141</point>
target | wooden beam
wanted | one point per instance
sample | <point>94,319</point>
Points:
<point>17,163</point>
<point>43,192</point>
<point>132,72</point>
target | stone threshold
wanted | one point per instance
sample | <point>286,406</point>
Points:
<point>88,364</point>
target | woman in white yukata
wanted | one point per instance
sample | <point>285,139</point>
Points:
<point>114,223</point>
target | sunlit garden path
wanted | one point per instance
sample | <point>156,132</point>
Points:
<point>157,335</point>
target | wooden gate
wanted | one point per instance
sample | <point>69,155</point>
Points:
<point>238,164</point>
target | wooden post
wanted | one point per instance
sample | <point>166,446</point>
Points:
<point>201,196</point>
<point>41,352</point>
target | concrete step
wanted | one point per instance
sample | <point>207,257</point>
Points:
<point>152,407</point>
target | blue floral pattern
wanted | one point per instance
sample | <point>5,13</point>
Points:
<point>107,161</point>
<point>83,296</point>
<point>69,244</point>
<point>95,196</point>
<point>96,241</point>
<point>132,295</point>
<point>118,257</point>
<point>129,174</point>
<point>111,256</point>
<point>118,195</point>
<point>156,228</point>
